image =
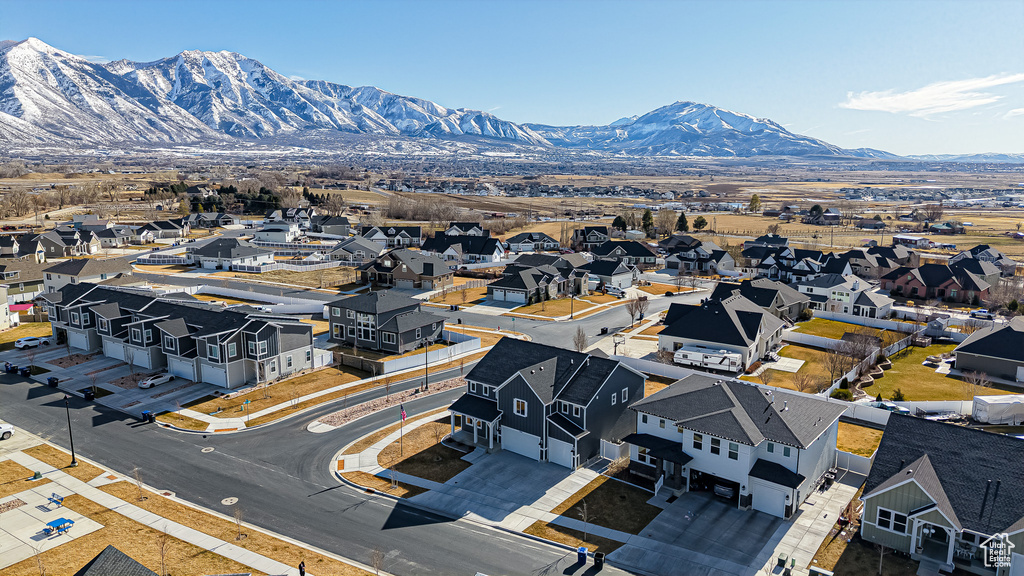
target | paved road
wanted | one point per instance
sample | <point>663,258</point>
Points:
<point>281,476</point>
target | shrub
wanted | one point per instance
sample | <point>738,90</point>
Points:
<point>842,394</point>
<point>878,398</point>
<point>897,396</point>
<point>668,293</point>
<point>1013,305</point>
<point>844,384</point>
<point>805,314</point>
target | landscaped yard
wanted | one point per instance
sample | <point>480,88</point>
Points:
<point>319,326</point>
<point>859,440</point>
<point>60,460</point>
<point>367,441</point>
<point>653,330</point>
<point>14,479</point>
<point>419,453</point>
<point>486,335</point>
<point>657,289</point>
<point>554,308</point>
<point>328,277</point>
<point>918,381</point>
<point>385,356</point>
<point>831,328</point>
<point>656,383</point>
<point>571,537</point>
<point>24,330</point>
<point>179,421</point>
<point>612,504</point>
<point>813,364</point>
<point>282,392</point>
<point>402,490</point>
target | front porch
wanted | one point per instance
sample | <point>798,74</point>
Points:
<point>949,548</point>
<point>659,460</point>
<point>479,422</point>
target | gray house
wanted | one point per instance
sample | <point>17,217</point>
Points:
<point>383,320</point>
<point>546,403</point>
<point>997,351</point>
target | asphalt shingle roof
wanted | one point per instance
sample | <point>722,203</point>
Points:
<point>377,302</point>
<point>112,562</point>
<point>997,341</point>
<point>734,320</point>
<point>229,248</point>
<point>91,267</point>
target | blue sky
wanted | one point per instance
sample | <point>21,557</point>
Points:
<point>904,76</point>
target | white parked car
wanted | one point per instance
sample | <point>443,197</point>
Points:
<point>6,430</point>
<point>156,380</point>
<point>31,342</point>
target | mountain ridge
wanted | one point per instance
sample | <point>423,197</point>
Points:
<point>52,97</point>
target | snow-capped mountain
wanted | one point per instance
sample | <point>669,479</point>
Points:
<point>693,129</point>
<point>51,97</point>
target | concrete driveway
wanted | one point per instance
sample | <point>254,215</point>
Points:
<point>719,538</point>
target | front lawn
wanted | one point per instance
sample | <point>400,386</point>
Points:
<point>859,440</point>
<point>554,308</point>
<point>420,453</point>
<point>831,328</point>
<point>24,330</point>
<point>918,381</point>
<point>612,504</point>
<point>467,296</point>
<point>814,364</point>
<point>280,393</point>
<point>571,537</point>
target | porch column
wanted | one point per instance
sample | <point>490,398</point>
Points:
<point>952,542</point>
<point>475,423</point>
<point>490,435</point>
<point>453,425</point>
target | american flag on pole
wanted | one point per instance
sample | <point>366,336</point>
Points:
<point>402,408</point>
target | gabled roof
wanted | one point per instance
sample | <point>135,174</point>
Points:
<point>742,412</point>
<point>629,247</point>
<point>734,321</point>
<point>519,278</point>
<point>91,267</point>
<point>606,267</point>
<point>975,266</point>
<point>1006,342</point>
<point>377,302</point>
<point>873,299</point>
<point>776,474</point>
<point>110,562</point>
<point>354,243</point>
<point>419,263</point>
<point>531,237</point>
<point>392,231</point>
<point>953,465</point>
<point>479,245</point>
<point>229,248</point>
<point>760,291</point>
<point>402,323</point>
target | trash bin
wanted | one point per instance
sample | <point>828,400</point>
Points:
<point>7,367</point>
<point>146,415</point>
<point>26,372</point>
<point>581,555</point>
<point>599,560</point>
<point>14,369</point>
<point>88,394</point>
<point>52,381</point>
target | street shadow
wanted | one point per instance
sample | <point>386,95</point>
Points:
<point>318,492</point>
<point>41,391</point>
<point>402,516</point>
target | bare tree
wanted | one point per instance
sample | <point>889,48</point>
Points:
<point>774,228</point>
<point>834,363</point>
<point>804,381</point>
<point>932,212</point>
<point>30,353</point>
<point>766,376</point>
<point>388,380</point>
<point>882,551</point>
<point>377,558</point>
<point>579,340</point>
<point>137,475</point>
<point>129,357</point>
<point>665,222</point>
<point>636,307</point>
<point>972,383</point>
<point>585,516</point>
<point>39,562</point>
<point>238,522</point>
<point>972,325</point>
<point>162,541</point>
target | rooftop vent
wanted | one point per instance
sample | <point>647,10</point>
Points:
<point>541,368</point>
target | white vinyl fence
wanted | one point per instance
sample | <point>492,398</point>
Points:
<point>296,267</point>
<point>163,260</point>
<point>853,462</point>
<point>462,343</point>
<point>612,451</point>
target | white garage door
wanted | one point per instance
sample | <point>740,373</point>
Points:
<point>181,368</point>
<point>498,295</point>
<point>405,285</point>
<point>769,500</point>
<point>216,376</point>
<point>520,442</point>
<point>113,350</point>
<point>78,340</point>
<point>622,280</point>
<point>559,452</point>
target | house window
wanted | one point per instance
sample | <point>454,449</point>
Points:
<point>520,407</point>
<point>309,356</point>
<point>350,314</point>
<point>613,398</point>
<point>232,349</point>
<point>149,335</point>
<point>351,331</point>
<point>698,441</point>
<point>336,330</point>
<point>213,351</point>
<point>136,334</point>
<point>75,317</point>
<point>168,342</point>
<point>625,394</point>
<point>388,338</point>
<point>892,521</point>
<point>433,326</point>
<point>288,361</point>
<point>576,410</point>
<point>785,451</point>
<point>716,446</point>
<point>335,311</point>
<point>103,324</point>
<point>472,387</point>
<point>643,456</point>
<point>771,448</point>
<point>418,333</point>
<point>643,418</point>
<point>661,423</point>
<point>734,451</point>
<point>85,318</point>
<point>49,276</point>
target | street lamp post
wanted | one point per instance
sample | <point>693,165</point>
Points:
<point>426,364</point>
<point>67,409</point>
<point>572,301</point>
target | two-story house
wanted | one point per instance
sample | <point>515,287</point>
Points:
<point>393,236</point>
<point>355,249</point>
<point>531,242</point>
<point>23,278</point>
<point>282,231</point>
<point>330,225</point>
<point>985,253</point>
<point>846,295</point>
<point>79,270</point>
<point>383,320</point>
<point>774,297</point>
<point>700,256</point>
<point>733,325</point>
<point>166,229</point>
<point>629,252</point>
<point>590,237</point>
<point>760,448</point>
<point>407,270</point>
<point>465,249</point>
<point>546,403</point>
<point>193,340</point>
<point>937,281</point>
<point>226,253</point>
<point>944,494</point>
<point>466,229</point>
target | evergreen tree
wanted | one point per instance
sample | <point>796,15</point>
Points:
<point>619,223</point>
<point>699,223</point>
<point>647,222</point>
<point>681,224</point>
<point>755,204</point>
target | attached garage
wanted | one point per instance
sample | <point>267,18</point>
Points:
<point>498,295</point>
<point>214,375</point>
<point>78,340</point>
<point>518,297</point>
<point>182,368</point>
<point>113,349</point>
<point>520,442</point>
<point>769,499</point>
<point>403,284</point>
<point>560,452</point>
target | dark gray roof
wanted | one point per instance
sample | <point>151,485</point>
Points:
<point>550,371</point>
<point>776,474</point>
<point>975,474</point>
<point>1006,342</point>
<point>174,327</point>
<point>377,302</point>
<point>742,412</point>
<point>113,562</point>
<point>108,310</point>
<point>630,247</point>
<point>91,267</point>
<point>606,267</point>
<point>229,248</point>
<point>530,237</point>
<point>476,407</point>
<point>567,425</point>
<point>420,263</point>
<point>480,245</point>
<point>392,231</point>
<point>660,447</point>
<point>872,299</point>
<point>734,320</point>
<point>402,323</point>
<point>518,278</point>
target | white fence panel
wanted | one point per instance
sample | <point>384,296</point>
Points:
<point>797,337</point>
<point>853,462</point>
<point>254,295</point>
<point>656,368</point>
<point>322,357</point>
<point>612,451</point>
<point>866,413</point>
<point>659,484</point>
<point>957,406</point>
<point>463,344</point>
<point>906,327</point>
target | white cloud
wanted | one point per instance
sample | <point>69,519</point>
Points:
<point>97,59</point>
<point>1014,112</point>
<point>296,78</point>
<point>934,98</point>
